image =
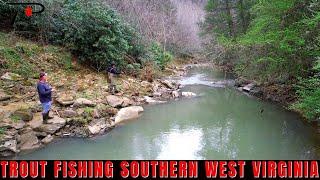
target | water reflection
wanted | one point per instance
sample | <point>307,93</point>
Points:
<point>181,144</point>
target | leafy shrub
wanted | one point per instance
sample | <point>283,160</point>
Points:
<point>95,33</point>
<point>158,55</point>
<point>133,69</point>
<point>309,98</point>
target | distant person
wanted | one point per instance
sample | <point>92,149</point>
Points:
<point>112,72</point>
<point>45,92</point>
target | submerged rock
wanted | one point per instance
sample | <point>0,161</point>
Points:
<point>150,100</point>
<point>188,94</point>
<point>128,113</point>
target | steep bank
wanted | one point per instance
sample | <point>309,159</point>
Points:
<point>82,105</point>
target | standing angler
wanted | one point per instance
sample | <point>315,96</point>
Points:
<point>112,72</point>
<point>45,91</point>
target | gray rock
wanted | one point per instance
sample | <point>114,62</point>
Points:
<point>65,102</point>
<point>12,124</point>
<point>11,77</point>
<point>36,121</point>
<point>24,114</point>
<point>97,126</point>
<point>68,114</point>
<point>53,125</point>
<point>29,141</point>
<point>150,100</point>
<point>175,94</point>
<point>82,102</point>
<point>57,120</point>
<point>248,87</point>
<point>128,113</point>
<point>10,145</point>
<point>168,84</point>
<point>4,96</point>
<point>47,139</point>
<point>188,94</point>
<point>157,94</point>
<point>126,102</point>
<point>49,128</point>
<point>114,101</point>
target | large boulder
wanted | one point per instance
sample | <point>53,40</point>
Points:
<point>114,101</point>
<point>128,113</point>
<point>23,114</point>
<point>8,148</point>
<point>36,121</point>
<point>82,102</point>
<point>12,124</point>
<point>11,77</point>
<point>57,120</point>
<point>65,100</point>
<point>53,125</point>
<point>29,141</point>
<point>47,139</point>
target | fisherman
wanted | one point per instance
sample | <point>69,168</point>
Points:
<point>112,72</point>
<point>45,92</point>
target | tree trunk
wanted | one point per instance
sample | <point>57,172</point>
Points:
<point>230,19</point>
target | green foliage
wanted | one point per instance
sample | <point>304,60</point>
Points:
<point>309,97</point>
<point>2,131</point>
<point>95,33</point>
<point>158,55</point>
<point>133,69</point>
<point>15,61</point>
<point>15,118</point>
<point>281,44</point>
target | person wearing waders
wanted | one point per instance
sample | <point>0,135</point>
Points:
<point>112,72</point>
<point>45,92</point>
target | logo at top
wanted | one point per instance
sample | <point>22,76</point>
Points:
<point>28,10</point>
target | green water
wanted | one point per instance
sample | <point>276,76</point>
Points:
<point>221,123</point>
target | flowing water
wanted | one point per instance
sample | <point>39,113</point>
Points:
<point>221,123</point>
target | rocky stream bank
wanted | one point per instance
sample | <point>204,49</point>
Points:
<point>82,107</point>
